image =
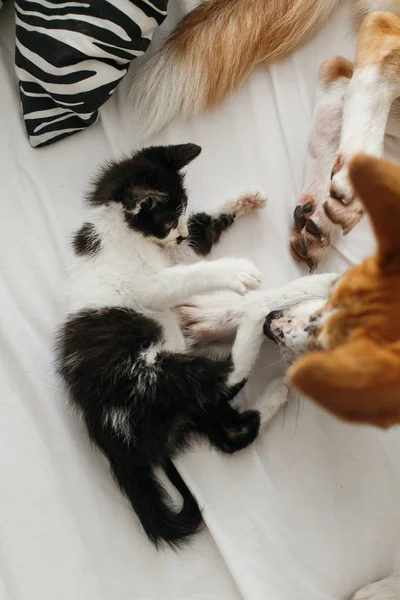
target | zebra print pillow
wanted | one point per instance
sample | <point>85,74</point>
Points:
<point>71,55</point>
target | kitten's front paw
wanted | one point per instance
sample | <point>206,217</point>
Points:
<point>240,275</point>
<point>246,203</point>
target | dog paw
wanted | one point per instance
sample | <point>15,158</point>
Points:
<point>343,208</point>
<point>311,231</point>
<point>386,589</point>
<point>246,203</point>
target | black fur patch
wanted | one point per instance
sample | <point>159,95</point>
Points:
<point>141,413</point>
<point>86,240</point>
<point>149,185</point>
<point>142,404</point>
<point>205,231</point>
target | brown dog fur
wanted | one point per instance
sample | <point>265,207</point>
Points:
<point>357,376</point>
<point>214,49</point>
<point>243,34</point>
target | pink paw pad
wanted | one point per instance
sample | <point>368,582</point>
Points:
<point>310,233</point>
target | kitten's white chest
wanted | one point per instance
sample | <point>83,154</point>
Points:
<point>118,276</point>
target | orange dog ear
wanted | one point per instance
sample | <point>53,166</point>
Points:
<point>357,382</point>
<point>377,183</point>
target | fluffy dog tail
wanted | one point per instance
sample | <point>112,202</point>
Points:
<point>214,49</point>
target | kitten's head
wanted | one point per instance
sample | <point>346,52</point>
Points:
<point>150,190</point>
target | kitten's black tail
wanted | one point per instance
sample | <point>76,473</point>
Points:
<point>152,504</point>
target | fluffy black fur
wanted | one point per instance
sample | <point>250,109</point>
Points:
<point>205,231</point>
<point>160,408</point>
<point>86,240</point>
<point>149,179</point>
<point>142,413</point>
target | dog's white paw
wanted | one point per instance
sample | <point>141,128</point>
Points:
<point>343,207</point>
<point>246,203</point>
<point>386,589</point>
<point>341,188</point>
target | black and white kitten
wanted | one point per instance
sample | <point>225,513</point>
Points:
<point>141,387</point>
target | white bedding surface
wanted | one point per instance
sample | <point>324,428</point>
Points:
<point>311,511</point>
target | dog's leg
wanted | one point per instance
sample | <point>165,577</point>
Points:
<point>247,344</point>
<point>312,230</point>
<point>216,317</point>
<point>370,95</point>
<point>250,333</point>
<point>279,398</point>
<point>386,589</point>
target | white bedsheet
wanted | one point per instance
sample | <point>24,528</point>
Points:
<point>311,511</point>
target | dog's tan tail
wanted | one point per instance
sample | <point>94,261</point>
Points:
<point>214,49</point>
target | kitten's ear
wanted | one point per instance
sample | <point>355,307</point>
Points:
<point>142,196</point>
<point>182,154</point>
<point>176,156</point>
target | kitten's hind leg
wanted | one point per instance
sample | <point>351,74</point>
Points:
<point>212,317</point>
<point>230,430</point>
<point>205,230</point>
<point>226,427</point>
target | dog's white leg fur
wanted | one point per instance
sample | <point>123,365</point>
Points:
<point>365,116</point>
<point>279,398</point>
<point>386,589</point>
<point>250,333</point>
<point>312,230</point>
<point>216,317</point>
<point>304,288</point>
<point>370,95</point>
<point>247,345</point>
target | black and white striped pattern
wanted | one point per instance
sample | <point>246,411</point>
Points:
<point>71,55</point>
